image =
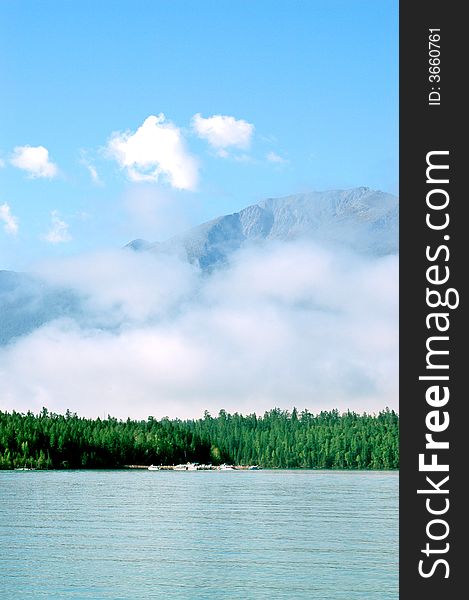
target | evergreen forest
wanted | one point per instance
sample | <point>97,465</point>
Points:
<point>277,439</point>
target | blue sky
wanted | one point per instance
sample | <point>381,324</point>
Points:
<point>307,92</point>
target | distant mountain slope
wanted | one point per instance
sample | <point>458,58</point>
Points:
<point>363,219</point>
<point>26,303</point>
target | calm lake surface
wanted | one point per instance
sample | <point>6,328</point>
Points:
<point>231,535</point>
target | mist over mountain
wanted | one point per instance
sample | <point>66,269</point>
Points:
<point>362,219</point>
<point>27,302</point>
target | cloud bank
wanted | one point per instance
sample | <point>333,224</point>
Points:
<point>155,151</point>
<point>35,161</point>
<point>284,325</point>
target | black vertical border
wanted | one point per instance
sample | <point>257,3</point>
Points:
<point>425,128</point>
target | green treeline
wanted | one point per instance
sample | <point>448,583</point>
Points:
<point>278,439</point>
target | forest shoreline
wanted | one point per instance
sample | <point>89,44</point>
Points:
<point>277,439</point>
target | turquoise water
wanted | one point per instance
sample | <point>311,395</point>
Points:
<point>231,535</point>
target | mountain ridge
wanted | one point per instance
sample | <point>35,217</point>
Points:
<point>362,218</point>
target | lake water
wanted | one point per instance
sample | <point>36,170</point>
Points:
<point>126,535</point>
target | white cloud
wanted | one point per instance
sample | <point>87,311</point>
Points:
<point>34,160</point>
<point>156,150</point>
<point>223,131</point>
<point>10,223</point>
<point>94,174</point>
<point>89,166</point>
<point>291,324</point>
<point>2,163</point>
<point>273,157</point>
<point>95,178</point>
<point>58,232</point>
